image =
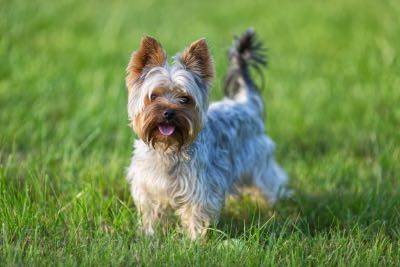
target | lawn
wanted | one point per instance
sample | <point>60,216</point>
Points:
<point>333,108</point>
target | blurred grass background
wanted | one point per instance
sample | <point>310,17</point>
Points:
<point>333,94</point>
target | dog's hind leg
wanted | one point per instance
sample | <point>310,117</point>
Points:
<point>272,181</point>
<point>267,175</point>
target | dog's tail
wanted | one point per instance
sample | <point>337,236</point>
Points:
<point>247,52</point>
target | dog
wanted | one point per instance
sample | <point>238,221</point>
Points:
<point>189,155</point>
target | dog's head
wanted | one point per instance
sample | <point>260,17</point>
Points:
<point>167,105</point>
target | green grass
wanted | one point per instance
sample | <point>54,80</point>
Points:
<point>333,94</point>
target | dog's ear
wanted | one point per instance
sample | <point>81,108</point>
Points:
<point>150,54</point>
<point>196,58</point>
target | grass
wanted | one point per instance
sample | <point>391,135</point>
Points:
<point>333,94</point>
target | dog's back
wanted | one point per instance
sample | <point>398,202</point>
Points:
<point>240,146</point>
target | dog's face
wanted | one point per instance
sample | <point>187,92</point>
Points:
<point>167,105</point>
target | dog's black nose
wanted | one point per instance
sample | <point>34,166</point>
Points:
<point>169,114</point>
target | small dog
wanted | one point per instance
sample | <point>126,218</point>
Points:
<point>190,154</point>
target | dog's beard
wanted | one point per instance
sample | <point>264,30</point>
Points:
<point>156,131</point>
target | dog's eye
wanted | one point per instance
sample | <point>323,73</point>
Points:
<point>153,97</point>
<point>184,100</point>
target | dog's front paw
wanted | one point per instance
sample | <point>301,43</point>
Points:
<point>195,222</point>
<point>196,232</point>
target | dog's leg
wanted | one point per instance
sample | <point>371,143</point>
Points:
<point>271,179</point>
<point>149,209</point>
<point>195,220</point>
<point>149,216</point>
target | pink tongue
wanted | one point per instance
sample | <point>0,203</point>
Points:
<point>166,129</point>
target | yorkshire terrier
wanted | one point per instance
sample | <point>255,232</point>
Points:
<point>190,154</point>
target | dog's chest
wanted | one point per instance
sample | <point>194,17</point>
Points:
<point>165,179</point>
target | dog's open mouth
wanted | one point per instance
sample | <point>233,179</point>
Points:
<point>166,129</point>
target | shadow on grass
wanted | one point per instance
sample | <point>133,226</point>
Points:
<point>312,214</point>
<point>307,214</point>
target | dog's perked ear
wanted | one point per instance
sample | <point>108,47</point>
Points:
<point>196,58</point>
<point>150,54</point>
